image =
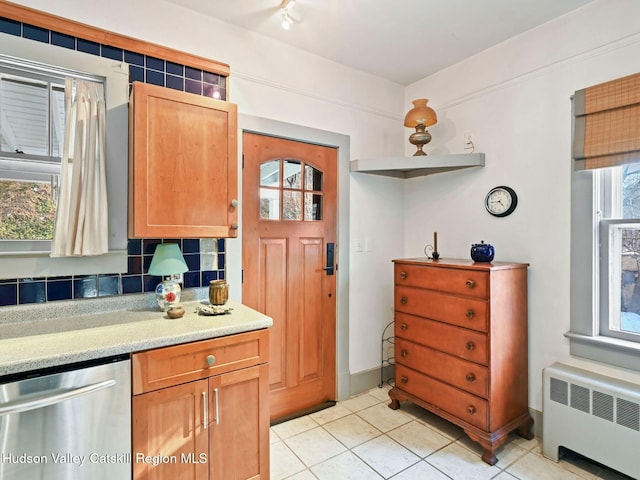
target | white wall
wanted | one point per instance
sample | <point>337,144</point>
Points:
<point>515,98</point>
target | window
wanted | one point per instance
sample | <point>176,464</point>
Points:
<point>619,256</point>
<point>605,223</point>
<point>39,162</point>
<point>32,123</point>
<point>290,190</point>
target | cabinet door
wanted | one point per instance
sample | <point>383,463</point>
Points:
<point>169,438</point>
<point>239,428</point>
<point>182,165</point>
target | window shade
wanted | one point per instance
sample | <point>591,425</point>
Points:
<point>606,128</point>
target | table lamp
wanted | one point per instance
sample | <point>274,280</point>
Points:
<point>167,260</point>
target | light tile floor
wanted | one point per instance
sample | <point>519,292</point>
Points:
<point>362,439</point>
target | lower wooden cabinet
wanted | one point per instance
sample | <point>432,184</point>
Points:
<point>214,428</point>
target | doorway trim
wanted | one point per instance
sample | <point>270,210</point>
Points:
<point>233,261</point>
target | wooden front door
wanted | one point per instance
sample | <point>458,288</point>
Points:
<point>289,258</point>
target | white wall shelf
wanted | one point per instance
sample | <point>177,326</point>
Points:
<point>409,167</point>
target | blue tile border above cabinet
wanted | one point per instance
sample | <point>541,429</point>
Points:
<point>143,68</point>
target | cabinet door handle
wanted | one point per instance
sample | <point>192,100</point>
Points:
<point>470,283</point>
<point>234,226</point>
<point>404,327</point>
<point>234,203</point>
<point>404,353</point>
<point>205,411</point>
<point>471,377</point>
<point>404,300</point>
<point>404,379</point>
<point>403,275</point>
<point>471,410</point>
<point>470,345</point>
<point>470,313</point>
<point>217,413</point>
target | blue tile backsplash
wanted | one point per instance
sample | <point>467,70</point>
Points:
<point>142,68</point>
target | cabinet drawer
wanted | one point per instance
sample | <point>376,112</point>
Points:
<point>465,406</point>
<point>462,311</point>
<point>466,375</point>
<point>450,280</point>
<point>168,366</point>
<point>460,342</point>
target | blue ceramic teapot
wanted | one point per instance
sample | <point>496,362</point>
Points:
<point>482,252</point>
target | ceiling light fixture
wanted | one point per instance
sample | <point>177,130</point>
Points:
<point>285,7</point>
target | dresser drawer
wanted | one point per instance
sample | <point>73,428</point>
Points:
<point>168,366</point>
<point>463,405</point>
<point>451,280</point>
<point>460,342</point>
<point>466,375</point>
<point>462,311</point>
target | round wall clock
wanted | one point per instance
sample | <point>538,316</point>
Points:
<point>501,201</point>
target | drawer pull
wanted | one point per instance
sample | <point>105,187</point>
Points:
<point>470,283</point>
<point>404,300</point>
<point>470,345</point>
<point>404,327</point>
<point>404,353</point>
<point>471,377</point>
<point>470,314</point>
<point>471,410</point>
<point>403,275</point>
<point>404,379</point>
<point>211,359</point>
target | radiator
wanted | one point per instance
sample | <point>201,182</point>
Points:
<point>591,414</point>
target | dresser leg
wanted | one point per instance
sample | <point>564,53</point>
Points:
<point>489,448</point>
<point>525,429</point>
<point>395,401</point>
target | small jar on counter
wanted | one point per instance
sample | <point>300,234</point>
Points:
<point>218,292</point>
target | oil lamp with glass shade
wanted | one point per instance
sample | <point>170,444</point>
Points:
<point>420,117</point>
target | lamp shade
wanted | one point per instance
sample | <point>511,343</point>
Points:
<point>167,260</point>
<point>420,114</point>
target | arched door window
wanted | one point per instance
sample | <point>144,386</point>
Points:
<point>290,190</point>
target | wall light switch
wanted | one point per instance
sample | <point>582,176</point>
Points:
<point>368,244</point>
<point>357,245</point>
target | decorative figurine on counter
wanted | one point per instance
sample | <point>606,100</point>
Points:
<point>482,252</point>
<point>435,255</point>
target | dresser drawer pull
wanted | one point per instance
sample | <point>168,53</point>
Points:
<point>404,353</point>
<point>470,283</point>
<point>471,410</point>
<point>404,300</point>
<point>404,379</point>
<point>403,327</point>
<point>470,314</point>
<point>471,377</point>
<point>211,359</point>
<point>470,345</point>
<point>403,275</point>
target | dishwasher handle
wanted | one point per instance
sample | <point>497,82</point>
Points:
<point>51,398</point>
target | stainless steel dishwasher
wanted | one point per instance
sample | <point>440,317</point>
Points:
<point>70,423</point>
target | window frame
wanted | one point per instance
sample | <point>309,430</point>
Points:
<point>591,200</point>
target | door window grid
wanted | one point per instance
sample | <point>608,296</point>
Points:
<point>290,190</point>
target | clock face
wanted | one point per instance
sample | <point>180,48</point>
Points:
<point>501,201</point>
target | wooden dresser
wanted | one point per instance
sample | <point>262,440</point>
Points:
<point>461,345</point>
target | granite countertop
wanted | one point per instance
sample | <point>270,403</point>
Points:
<point>40,336</point>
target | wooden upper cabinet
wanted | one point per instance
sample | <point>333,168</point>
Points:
<point>182,165</point>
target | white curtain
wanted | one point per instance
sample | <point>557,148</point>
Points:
<point>82,218</point>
